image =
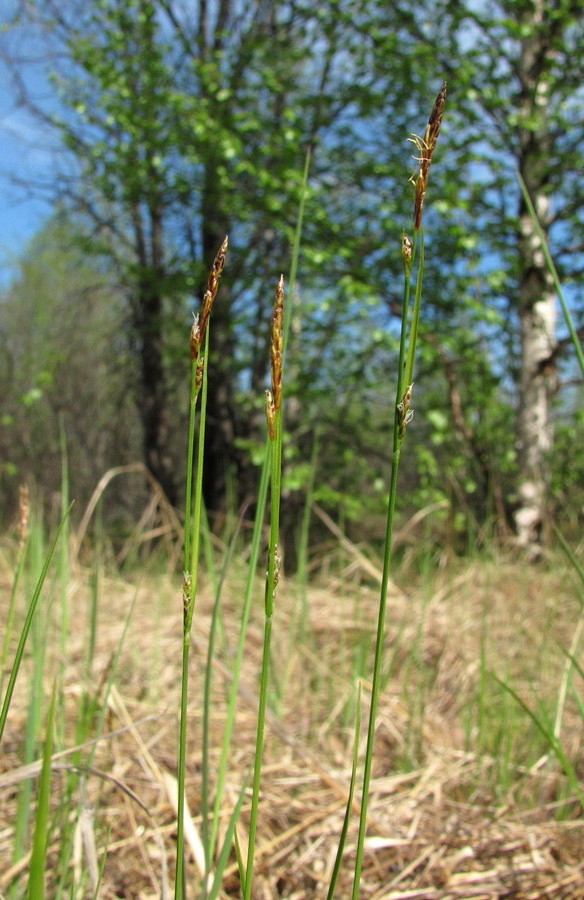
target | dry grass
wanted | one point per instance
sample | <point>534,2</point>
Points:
<point>441,823</point>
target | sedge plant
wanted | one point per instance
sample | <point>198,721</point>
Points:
<point>274,422</point>
<point>199,347</point>
<point>413,262</point>
<point>254,550</point>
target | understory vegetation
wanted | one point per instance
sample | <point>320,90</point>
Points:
<point>291,573</point>
<point>467,795</point>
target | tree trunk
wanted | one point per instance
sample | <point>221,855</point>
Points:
<point>154,401</point>
<point>537,318</point>
<point>536,297</point>
<point>149,326</point>
<point>220,424</point>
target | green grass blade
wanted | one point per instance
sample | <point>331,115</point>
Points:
<point>27,625</point>
<point>553,272</point>
<point>226,848</point>
<point>207,844</point>
<point>247,597</point>
<point>259,746</point>
<point>36,879</point>
<point>553,743</point>
<point>10,613</point>
<point>192,528</point>
<point>96,892</point>
<point>240,862</point>
<point>261,501</point>
<point>345,828</point>
<point>578,568</point>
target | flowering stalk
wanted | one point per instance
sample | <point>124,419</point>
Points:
<point>403,416</point>
<point>198,340</point>
<point>274,422</point>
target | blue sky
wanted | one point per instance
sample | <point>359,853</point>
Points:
<point>25,152</point>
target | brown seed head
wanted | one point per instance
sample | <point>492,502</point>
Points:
<point>425,147</point>
<point>404,413</point>
<point>270,415</point>
<point>406,252</point>
<point>195,339</point>
<point>276,345</point>
<point>199,372</point>
<point>277,569</point>
<point>200,324</point>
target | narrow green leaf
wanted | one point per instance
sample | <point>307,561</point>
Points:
<point>225,849</point>
<point>553,272</point>
<point>551,740</point>
<point>345,828</point>
<point>36,878</point>
<point>27,623</point>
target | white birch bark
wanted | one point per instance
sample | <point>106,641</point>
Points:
<point>536,301</point>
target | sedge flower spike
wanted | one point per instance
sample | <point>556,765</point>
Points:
<point>274,396</point>
<point>200,320</point>
<point>425,147</point>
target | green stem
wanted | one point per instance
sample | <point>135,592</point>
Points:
<point>254,554</point>
<point>376,667</point>
<point>179,877</point>
<point>191,550</point>
<point>193,395</point>
<point>258,757</point>
<point>405,370</point>
<point>271,583</point>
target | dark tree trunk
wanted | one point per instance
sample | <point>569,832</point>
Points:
<point>154,401</point>
<point>149,326</point>
<point>220,456</point>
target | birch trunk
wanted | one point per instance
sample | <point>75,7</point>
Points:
<point>537,316</point>
<point>536,297</point>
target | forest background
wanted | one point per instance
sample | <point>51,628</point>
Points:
<point>170,125</point>
<point>150,130</point>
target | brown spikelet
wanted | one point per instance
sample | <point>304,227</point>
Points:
<point>425,147</point>
<point>404,413</point>
<point>406,248</point>
<point>199,372</point>
<point>270,415</point>
<point>276,345</point>
<point>200,324</point>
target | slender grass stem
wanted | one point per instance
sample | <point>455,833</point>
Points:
<point>193,509</point>
<point>377,665</point>
<point>247,597</point>
<point>208,844</point>
<point>257,528</point>
<point>403,414</point>
<point>192,529</point>
<point>408,336</point>
<point>259,746</point>
<point>274,419</point>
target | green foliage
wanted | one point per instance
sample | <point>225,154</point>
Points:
<point>183,128</point>
<point>65,359</point>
